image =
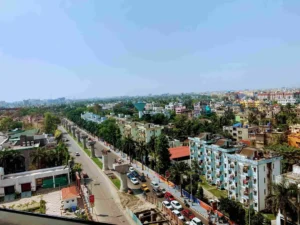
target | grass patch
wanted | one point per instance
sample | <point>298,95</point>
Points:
<point>98,162</point>
<point>269,216</point>
<point>213,189</point>
<point>116,182</point>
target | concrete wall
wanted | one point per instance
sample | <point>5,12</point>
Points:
<point>30,177</point>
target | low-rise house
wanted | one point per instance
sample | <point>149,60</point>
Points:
<point>180,154</point>
<point>294,129</point>
<point>294,140</point>
<point>69,197</point>
<point>28,182</point>
<point>240,132</point>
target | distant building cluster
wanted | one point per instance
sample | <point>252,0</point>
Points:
<point>88,116</point>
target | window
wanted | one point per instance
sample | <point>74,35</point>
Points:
<point>67,201</point>
<point>273,165</point>
<point>264,180</point>
<point>255,204</point>
<point>73,200</point>
<point>254,169</point>
<point>265,191</point>
<point>225,174</point>
<point>264,168</point>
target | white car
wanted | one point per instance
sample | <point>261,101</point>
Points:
<point>77,154</point>
<point>134,181</point>
<point>178,214</point>
<point>167,204</point>
<point>196,221</point>
<point>131,169</point>
<point>162,190</point>
<point>176,205</point>
<point>154,184</point>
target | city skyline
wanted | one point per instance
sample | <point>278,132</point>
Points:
<point>90,49</point>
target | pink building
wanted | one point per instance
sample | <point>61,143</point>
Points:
<point>180,109</point>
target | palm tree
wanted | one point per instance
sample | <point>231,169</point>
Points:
<point>281,198</point>
<point>177,171</point>
<point>37,156</point>
<point>129,147</point>
<point>142,151</point>
<point>151,149</point>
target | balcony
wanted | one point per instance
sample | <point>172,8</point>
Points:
<point>246,193</point>
<point>245,169</point>
<point>246,181</point>
<point>208,171</point>
<point>232,187</point>
<point>232,165</point>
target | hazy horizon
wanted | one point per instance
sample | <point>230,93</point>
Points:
<point>94,49</point>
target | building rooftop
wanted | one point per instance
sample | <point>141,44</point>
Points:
<point>69,192</point>
<point>31,132</point>
<point>179,152</point>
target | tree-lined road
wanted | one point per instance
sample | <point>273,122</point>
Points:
<point>106,209</point>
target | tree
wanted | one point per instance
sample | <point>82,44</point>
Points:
<point>178,170</point>
<point>233,209</point>
<point>163,159</point>
<point>255,218</point>
<point>129,147</point>
<point>50,123</point>
<point>109,131</point>
<point>151,149</point>
<point>280,199</point>
<point>37,156</point>
<point>141,152</point>
<point>5,124</point>
<point>12,161</point>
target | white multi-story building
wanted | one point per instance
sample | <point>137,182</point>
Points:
<point>88,116</point>
<point>246,173</point>
<point>285,101</point>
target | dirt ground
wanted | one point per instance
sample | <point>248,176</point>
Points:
<point>134,203</point>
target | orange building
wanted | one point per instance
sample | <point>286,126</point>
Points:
<point>294,140</point>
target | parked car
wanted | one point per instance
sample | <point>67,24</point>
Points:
<point>134,181</point>
<point>162,190</point>
<point>169,196</point>
<point>154,184</point>
<point>196,221</point>
<point>130,175</point>
<point>135,174</point>
<point>131,169</point>
<point>167,204</point>
<point>178,214</point>
<point>188,214</point>
<point>77,154</point>
<point>141,178</point>
<point>145,188</point>
<point>158,193</point>
<point>176,205</point>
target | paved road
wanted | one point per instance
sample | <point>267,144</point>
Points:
<point>136,188</point>
<point>106,209</point>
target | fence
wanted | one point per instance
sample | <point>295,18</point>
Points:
<point>133,216</point>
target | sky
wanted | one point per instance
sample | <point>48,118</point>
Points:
<point>86,48</point>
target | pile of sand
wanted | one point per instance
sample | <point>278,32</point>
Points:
<point>134,204</point>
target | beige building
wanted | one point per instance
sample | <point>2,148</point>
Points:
<point>240,133</point>
<point>294,129</point>
<point>139,131</point>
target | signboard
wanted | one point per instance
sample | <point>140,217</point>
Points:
<point>92,198</point>
<point>168,174</point>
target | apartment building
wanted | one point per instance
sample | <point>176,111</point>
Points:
<point>246,173</point>
<point>139,131</point>
<point>240,132</point>
<point>88,116</point>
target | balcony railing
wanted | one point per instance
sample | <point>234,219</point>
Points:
<point>232,165</point>
<point>246,193</point>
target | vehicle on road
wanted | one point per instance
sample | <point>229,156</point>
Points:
<point>141,178</point>
<point>134,181</point>
<point>158,193</point>
<point>162,190</point>
<point>167,204</point>
<point>129,175</point>
<point>178,214</point>
<point>176,205</point>
<point>131,169</point>
<point>77,154</point>
<point>188,214</point>
<point>169,196</point>
<point>154,184</point>
<point>135,174</point>
<point>196,221</point>
<point>145,188</point>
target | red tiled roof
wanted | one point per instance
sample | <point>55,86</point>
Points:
<point>179,152</point>
<point>69,192</point>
